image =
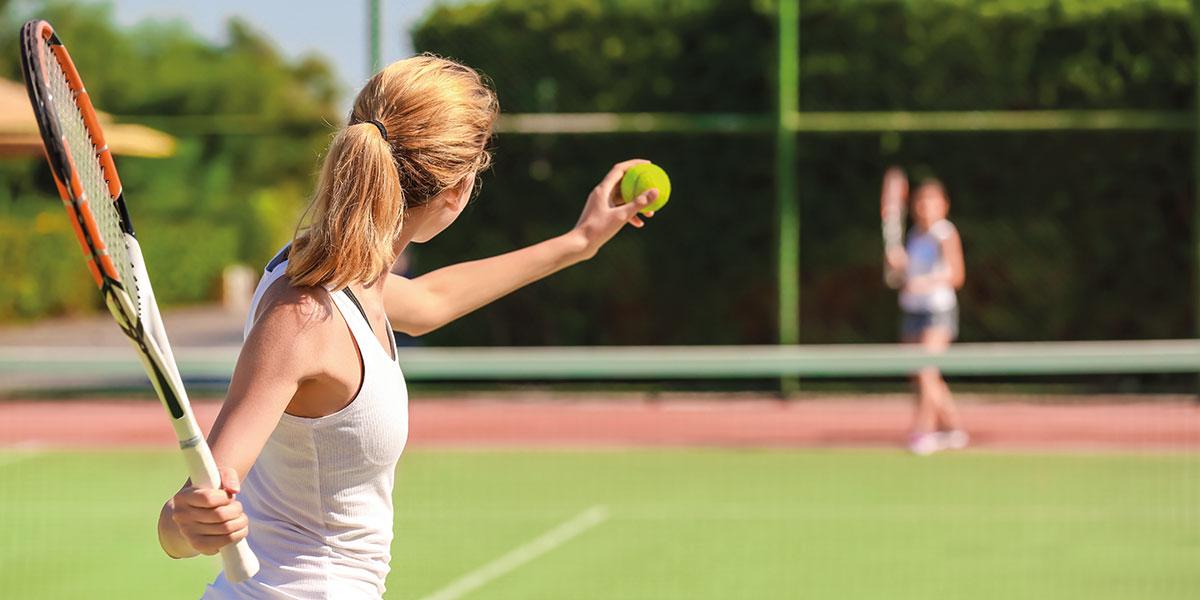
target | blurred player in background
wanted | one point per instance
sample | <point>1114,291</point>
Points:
<point>932,263</point>
<point>317,404</point>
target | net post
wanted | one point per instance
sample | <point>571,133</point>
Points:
<point>787,208</point>
<point>1194,15</point>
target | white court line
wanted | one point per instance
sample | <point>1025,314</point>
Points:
<point>522,554</point>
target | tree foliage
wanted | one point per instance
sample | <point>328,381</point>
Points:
<point>1068,235</point>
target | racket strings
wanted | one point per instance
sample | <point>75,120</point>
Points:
<point>85,155</point>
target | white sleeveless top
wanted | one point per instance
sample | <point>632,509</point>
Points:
<point>925,257</point>
<point>319,496</point>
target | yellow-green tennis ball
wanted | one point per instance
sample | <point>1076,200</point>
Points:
<point>643,177</point>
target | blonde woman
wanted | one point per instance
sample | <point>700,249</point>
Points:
<point>932,263</point>
<point>316,415</point>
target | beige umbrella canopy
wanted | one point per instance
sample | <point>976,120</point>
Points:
<point>19,131</point>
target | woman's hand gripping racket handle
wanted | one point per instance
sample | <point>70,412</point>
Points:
<point>240,562</point>
<point>155,351</point>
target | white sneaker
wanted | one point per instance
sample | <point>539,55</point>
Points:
<point>923,444</point>
<point>955,439</point>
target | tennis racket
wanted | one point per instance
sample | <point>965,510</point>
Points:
<point>893,210</point>
<point>87,181</point>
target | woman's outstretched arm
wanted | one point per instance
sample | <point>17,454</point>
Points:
<point>420,305</point>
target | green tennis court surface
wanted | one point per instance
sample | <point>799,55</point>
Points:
<point>668,524</point>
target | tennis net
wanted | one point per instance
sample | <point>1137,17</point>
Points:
<point>48,366</point>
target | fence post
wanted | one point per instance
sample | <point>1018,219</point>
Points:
<point>787,202</point>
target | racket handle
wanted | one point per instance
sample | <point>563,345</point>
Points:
<point>240,562</point>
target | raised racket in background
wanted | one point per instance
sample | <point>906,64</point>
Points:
<point>893,210</point>
<point>87,180</point>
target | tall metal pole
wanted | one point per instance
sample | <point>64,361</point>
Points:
<point>374,38</point>
<point>787,208</point>
<point>1195,16</point>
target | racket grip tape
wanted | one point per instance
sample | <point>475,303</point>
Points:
<point>240,562</point>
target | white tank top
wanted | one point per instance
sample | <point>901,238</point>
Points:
<point>319,496</point>
<point>924,250</point>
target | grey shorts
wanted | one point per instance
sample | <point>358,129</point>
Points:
<point>912,325</point>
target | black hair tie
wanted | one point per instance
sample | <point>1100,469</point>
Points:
<point>380,127</point>
<point>377,124</point>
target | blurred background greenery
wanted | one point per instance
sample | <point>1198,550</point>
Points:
<point>249,126</point>
<point>1067,235</point>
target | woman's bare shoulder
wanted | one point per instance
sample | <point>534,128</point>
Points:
<point>291,310</point>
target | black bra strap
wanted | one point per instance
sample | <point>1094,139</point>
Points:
<point>350,295</point>
<point>354,299</point>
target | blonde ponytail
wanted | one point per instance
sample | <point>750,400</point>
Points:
<point>355,214</point>
<point>432,122</point>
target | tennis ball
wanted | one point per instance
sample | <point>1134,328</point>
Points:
<point>643,177</point>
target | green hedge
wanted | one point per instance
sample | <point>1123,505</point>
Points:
<point>46,274</point>
<point>1067,235</point>
<point>185,260</point>
<point>44,269</point>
